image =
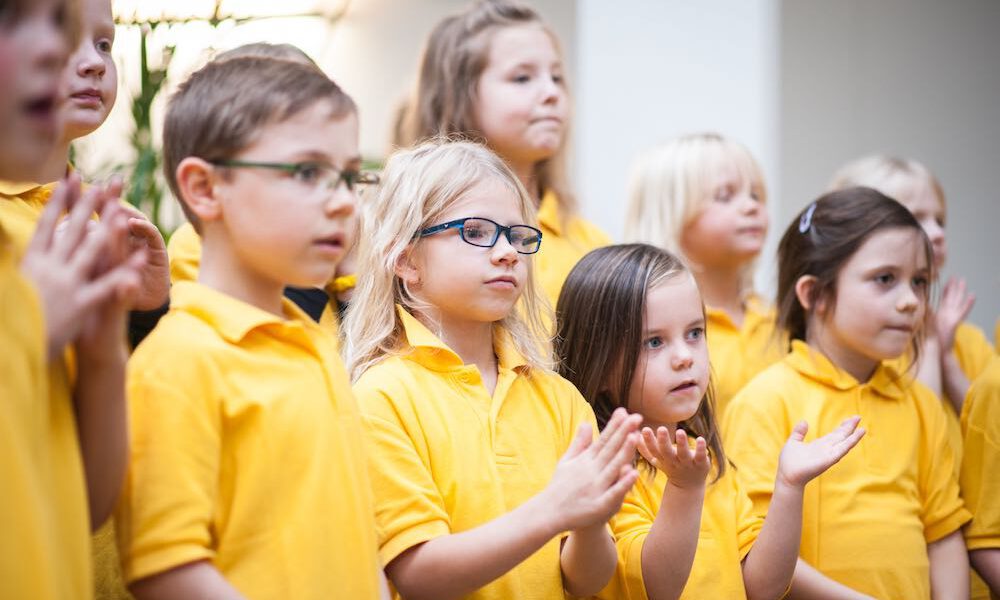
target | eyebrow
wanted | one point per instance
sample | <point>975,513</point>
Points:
<point>319,156</point>
<point>699,322</point>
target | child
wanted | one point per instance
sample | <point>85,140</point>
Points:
<point>854,271</point>
<point>702,196</point>
<point>466,423</point>
<point>653,360</point>
<point>954,352</point>
<point>323,305</point>
<point>980,465</point>
<point>246,476</point>
<point>70,287</point>
<point>494,72</point>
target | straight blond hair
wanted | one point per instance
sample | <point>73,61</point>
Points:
<point>443,101</point>
<point>418,187</point>
<point>895,177</point>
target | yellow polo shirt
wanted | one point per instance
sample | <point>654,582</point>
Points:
<point>44,547</point>
<point>447,457</point>
<point>866,521</point>
<point>980,477</point>
<point>973,350</point>
<point>728,530</point>
<point>738,353</point>
<point>563,245</point>
<point>246,451</point>
<point>184,254</point>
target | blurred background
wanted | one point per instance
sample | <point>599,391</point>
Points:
<point>806,84</point>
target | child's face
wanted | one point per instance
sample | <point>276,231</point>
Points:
<point>287,229</point>
<point>927,208</point>
<point>469,284</point>
<point>672,373</point>
<point>730,230</point>
<point>32,54</point>
<point>522,108</point>
<point>881,293</point>
<point>90,76</point>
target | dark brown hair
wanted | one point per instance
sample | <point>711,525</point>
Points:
<point>599,325</point>
<point>820,241</point>
<point>444,99</point>
<point>222,108</point>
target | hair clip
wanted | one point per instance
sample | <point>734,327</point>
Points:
<point>807,217</point>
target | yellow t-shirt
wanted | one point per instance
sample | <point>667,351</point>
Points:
<point>446,457</point>
<point>972,349</point>
<point>21,205</point>
<point>44,547</point>
<point>739,352</point>
<point>563,245</point>
<point>184,254</point>
<point>980,474</point>
<point>866,521</point>
<point>729,528</point>
<point>246,451</point>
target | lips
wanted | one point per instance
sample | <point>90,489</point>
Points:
<point>503,280</point>
<point>334,241</point>
<point>687,385</point>
<point>89,96</point>
<point>42,110</point>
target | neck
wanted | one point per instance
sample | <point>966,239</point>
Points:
<point>722,288</point>
<point>859,367</point>
<point>525,172</point>
<point>471,340</point>
<point>54,167</point>
<point>222,270</point>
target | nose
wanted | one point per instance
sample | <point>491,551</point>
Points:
<point>341,202</point>
<point>89,62</point>
<point>552,92</point>
<point>681,358</point>
<point>503,252</point>
<point>908,300</point>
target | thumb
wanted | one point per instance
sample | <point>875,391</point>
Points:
<point>583,438</point>
<point>799,431</point>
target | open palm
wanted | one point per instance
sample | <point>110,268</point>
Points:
<point>802,461</point>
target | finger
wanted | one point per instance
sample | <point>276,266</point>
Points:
<point>848,425</point>
<point>665,444</point>
<point>581,441</point>
<point>646,445</point>
<point>615,494</point>
<point>700,451</point>
<point>624,457</point>
<point>613,444</point>
<point>76,224</point>
<point>799,431</point>
<point>683,449</point>
<point>46,227</point>
<point>617,416</point>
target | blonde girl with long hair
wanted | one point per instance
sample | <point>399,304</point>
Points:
<point>490,479</point>
<point>495,72</point>
<point>702,196</point>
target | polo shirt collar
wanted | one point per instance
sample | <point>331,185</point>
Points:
<point>548,213</point>
<point>886,381</point>
<point>232,318</point>
<point>20,188</point>
<point>754,306</point>
<point>430,351</point>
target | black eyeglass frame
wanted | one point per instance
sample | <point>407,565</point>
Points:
<point>349,177</point>
<point>500,229</point>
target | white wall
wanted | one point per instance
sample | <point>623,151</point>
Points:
<point>916,78</point>
<point>648,70</point>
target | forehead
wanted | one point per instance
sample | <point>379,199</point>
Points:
<point>729,165</point>
<point>313,129</point>
<point>96,13</point>
<point>899,247</point>
<point>490,198</point>
<point>674,302</point>
<point>522,44</point>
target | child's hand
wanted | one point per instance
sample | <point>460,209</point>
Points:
<point>64,268</point>
<point>685,468</point>
<point>800,462</point>
<point>953,308</point>
<point>154,290</point>
<point>593,476</point>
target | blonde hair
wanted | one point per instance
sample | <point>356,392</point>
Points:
<point>418,186</point>
<point>895,177</point>
<point>444,98</point>
<point>670,184</point>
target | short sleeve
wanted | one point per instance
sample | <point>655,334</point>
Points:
<point>184,252</point>
<point>631,525</point>
<point>973,350</point>
<point>941,508</point>
<point>409,509</point>
<point>164,516</point>
<point>981,460</point>
<point>748,523</point>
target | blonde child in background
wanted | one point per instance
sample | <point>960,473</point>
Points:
<point>702,196</point>
<point>494,72</point>
<point>854,274</point>
<point>491,481</point>
<point>323,304</point>
<point>247,475</point>
<point>644,305</point>
<point>979,481</point>
<point>69,288</point>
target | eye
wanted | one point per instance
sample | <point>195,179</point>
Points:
<point>308,172</point>
<point>557,78</point>
<point>723,195</point>
<point>103,46</point>
<point>475,231</point>
<point>921,281</point>
<point>885,279</point>
<point>695,333</point>
<point>654,342</point>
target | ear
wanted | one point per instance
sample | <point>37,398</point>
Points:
<point>406,267</point>
<point>804,288</point>
<point>196,179</point>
